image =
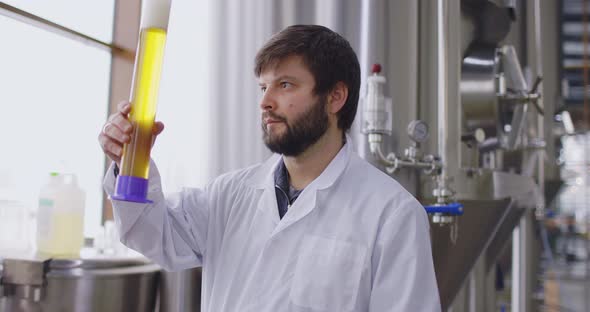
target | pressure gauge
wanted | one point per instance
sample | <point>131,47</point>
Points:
<point>418,131</point>
<point>480,135</point>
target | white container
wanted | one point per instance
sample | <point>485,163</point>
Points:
<point>60,218</point>
<point>377,116</point>
<point>15,237</point>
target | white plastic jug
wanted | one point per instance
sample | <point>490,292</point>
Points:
<point>60,218</point>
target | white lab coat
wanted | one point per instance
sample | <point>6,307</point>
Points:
<point>354,240</point>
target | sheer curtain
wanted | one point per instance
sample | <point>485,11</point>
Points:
<point>209,97</point>
<point>239,29</point>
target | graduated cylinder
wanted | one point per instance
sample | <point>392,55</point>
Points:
<point>136,154</point>
<point>132,182</point>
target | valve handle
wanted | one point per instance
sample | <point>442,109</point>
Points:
<point>453,209</point>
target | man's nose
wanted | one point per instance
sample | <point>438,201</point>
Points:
<point>268,101</point>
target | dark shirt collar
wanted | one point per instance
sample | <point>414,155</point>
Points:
<point>282,176</point>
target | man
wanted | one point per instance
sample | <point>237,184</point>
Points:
<point>315,227</point>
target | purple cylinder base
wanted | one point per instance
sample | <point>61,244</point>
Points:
<point>132,189</point>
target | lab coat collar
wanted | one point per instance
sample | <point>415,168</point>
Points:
<point>264,175</point>
<point>334,169</point>
<point>306,202</point>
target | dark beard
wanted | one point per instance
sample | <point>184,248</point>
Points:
<point>300,134</point>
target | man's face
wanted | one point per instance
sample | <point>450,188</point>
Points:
<point>293,117</point>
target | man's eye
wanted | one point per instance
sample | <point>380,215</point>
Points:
<point>285,84</point>
<point>263,89</point>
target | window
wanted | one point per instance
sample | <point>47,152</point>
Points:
<point>54,99</point>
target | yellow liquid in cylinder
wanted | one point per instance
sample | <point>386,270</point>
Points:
<point>146,82</point>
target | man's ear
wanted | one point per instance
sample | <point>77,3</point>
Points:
<point>337,97</point>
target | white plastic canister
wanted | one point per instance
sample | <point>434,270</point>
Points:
<point>60,218</point>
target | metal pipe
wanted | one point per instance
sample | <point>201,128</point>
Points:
<point>442,96</point>
<point>521,300</point>
<point>585,63</point>
<point>516,293</point>
<point>399,163</point>
<point>375,147</point>
<point>393,163</point>
<point>540,104</point>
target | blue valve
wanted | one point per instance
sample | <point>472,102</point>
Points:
<point>453,209</point>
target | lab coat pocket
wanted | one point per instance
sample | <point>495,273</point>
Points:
<point>327,275</point>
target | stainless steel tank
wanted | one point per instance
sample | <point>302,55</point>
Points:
<point>76,285</point>
<point>180,291</point>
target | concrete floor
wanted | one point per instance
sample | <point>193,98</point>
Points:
<point>567,283</point>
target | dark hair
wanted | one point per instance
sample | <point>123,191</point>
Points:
<point>328,56</point>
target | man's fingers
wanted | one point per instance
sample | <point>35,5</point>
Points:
<point>158,127</point>
<point>113,132</point>
<point>110,146</point>
<point>121,122</point>
<point>156,130</point>
<point>117,132</point>
<point>114,148</point>
<point>124,107</point>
